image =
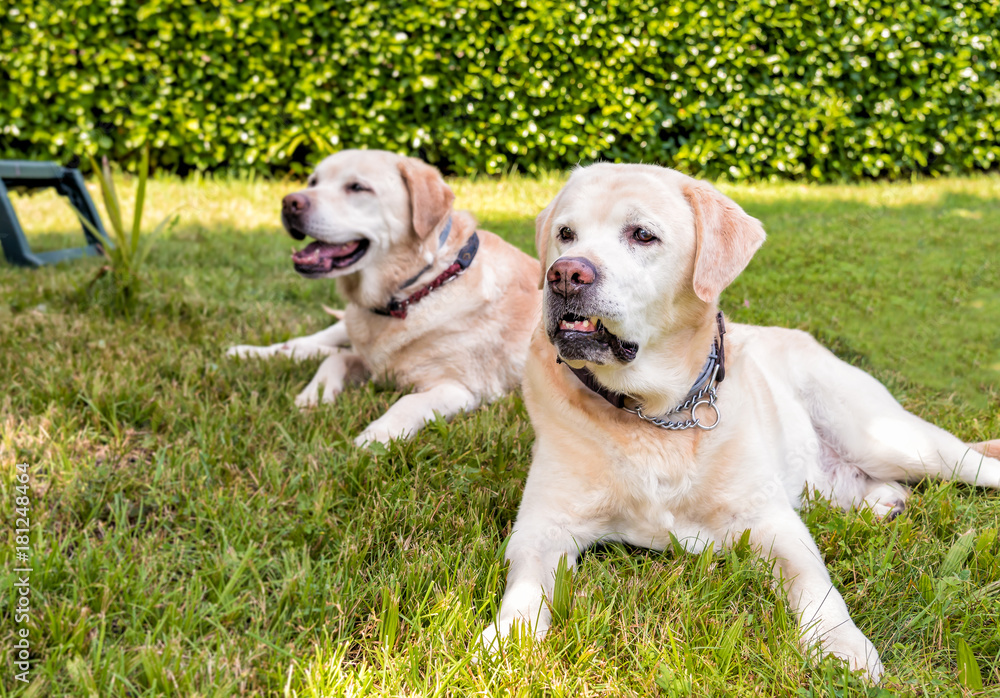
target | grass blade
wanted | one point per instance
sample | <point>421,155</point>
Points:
<point>166,224</point>
<point>224,600</point>
<point>728,645</point>
<point>957,554</point>
<point>389,617</point>
<point>89,226</point>
<point>140,198</point>
<point>562,593</point>
<point>111,206</point>
<point>111,197</point>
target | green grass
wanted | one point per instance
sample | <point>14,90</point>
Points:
<point>194,534</point>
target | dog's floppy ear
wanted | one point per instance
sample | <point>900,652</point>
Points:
<point>542,221</point>
<point>430,197</point>
<point>726,237</point>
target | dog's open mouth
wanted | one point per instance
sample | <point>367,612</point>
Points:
<point>323,257</point>
<point>571,322</point>
<point>573,329</point>
<point>577,323</point>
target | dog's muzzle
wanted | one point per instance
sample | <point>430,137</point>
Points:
<point>293,209</point>
<point>573,326</point>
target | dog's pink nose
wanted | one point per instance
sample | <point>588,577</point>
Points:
<point>295,204</point>
<point>570,275</point>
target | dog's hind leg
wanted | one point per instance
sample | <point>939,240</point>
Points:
<point>896,445</point>
<point>988,448</point>
<point>873,431</point>
<point>887,500</point>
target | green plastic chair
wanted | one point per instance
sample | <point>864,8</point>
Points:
<point>69,183</point>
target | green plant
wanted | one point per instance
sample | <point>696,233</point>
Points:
<point>755,89</point>
<point>130,246</point>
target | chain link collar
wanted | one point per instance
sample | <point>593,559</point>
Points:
<point>703,395</point>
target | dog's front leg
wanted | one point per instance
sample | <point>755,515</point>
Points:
<point>411,412</point>
<point>820,609</point>
<point>534,551</point>
<point>338,368</point>
<point>322,343</point>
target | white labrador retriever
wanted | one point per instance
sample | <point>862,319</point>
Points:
<point>441,307</point>
<point>637,437</point>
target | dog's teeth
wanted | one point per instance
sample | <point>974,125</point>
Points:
<point>581,325</point>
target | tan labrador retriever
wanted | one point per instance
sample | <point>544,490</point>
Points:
<point>441,307</point>
<point>639,439</point>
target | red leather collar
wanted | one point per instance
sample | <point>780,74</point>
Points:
<point>398,308</point>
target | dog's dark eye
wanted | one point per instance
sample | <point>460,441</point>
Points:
<point>566,234</point>
<point>311,182</point>
<point>356,187</point>
<point>642,235</point>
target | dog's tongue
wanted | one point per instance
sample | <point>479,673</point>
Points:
<point>316,253</point>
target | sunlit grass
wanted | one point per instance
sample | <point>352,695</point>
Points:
<point>195,534</point>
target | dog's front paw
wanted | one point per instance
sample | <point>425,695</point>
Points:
<point>496,634</point>
<point>490,640</point>
<point>314,394</point>
<point>386,428</point>
<point>246,351</point>
<point>374,434</point>
<point>851,645</point>
<point>306,399</point>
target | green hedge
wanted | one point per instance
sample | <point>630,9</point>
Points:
<point>825,90</point>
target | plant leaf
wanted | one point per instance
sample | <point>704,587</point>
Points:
<point>168,222</point>
<point>112,194</point>
<point>111,206</point>
<point>562,592</point>
<point>968,669</point>
<point>957,554</point>
<point>86,223</point>
<point>728,644</point>
<point>140,198</point>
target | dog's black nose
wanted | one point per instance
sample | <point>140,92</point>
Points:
<point>570,275</point>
